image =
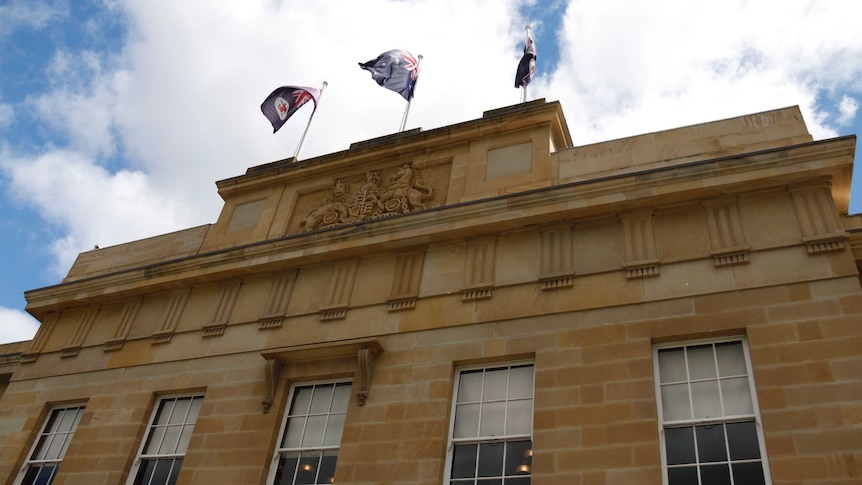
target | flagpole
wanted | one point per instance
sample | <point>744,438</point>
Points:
<point>524,87</point>
<point>407,109</point>
<point>302,139</point>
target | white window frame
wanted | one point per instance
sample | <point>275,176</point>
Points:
<point>276,457</point>
<point>452,441</point>
<point>754,416</point>
<point>51,435</point>
<point>140,457</point>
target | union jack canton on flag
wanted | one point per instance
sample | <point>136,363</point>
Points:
<point>395,70</point>
<point>284,101</point>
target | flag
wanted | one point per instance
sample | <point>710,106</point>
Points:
<point>395,70</point>
<point>284,101</point>
<point>527,66</point>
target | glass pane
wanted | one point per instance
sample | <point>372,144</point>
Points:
<point>55,447</point>
<point>705,399</point>
<point>710,443</point>
<point>145,471</point>
<point>171,439</point>
<point>67,419</point>
<point>341,398</point>
<point>731,359</point>
<point>518,481</point>
<point>185,436</point>
<point>519,417</point>
<point>674,402</point>
<point>470,386</point>
<point>701,363</point>
<point>466,420</point>
<point>464,461</point>
<point>518,454</point>
<point>293,434</point>
<point>195,409</point>
<point>333,430</point>
<point>67,439</point>
<point>286,469</point>
<point>42,449</point>
<point>53,421</point>
<point>748,473</point>
<point>682,476</point>
<point>490,459</point>
<point>154,440</point>
<point>737,396</point>
<point>162,472</point>
<point>742,440</point>
<point>301,400</point>
<point>496,384</point>
<point>327,467</point>
<point>493,418</point>
<point>181,410</point>
<point>39,475</point>
<point>321,399</point>
<point>679,445</point>
<point>314,431</point>
<point>521,382</point>
<point>715,475</point>
<point>306,472</point>
<point>493,481</point>
<point>175,471</point>
<point>166,407</point>
<point>671,365</point>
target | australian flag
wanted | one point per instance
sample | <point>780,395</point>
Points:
<point>284,101</point>
<point>395,70</point>
<point>527,66</point>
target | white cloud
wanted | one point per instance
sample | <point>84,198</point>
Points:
<point>847,109</point>
<point>16,326</point>
<point>27,13</point>
<point>6,114</point>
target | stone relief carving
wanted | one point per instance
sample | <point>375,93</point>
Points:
<point>404,192</point>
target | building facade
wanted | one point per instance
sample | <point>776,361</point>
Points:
<point>483,303</point>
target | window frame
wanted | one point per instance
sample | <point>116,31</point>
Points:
<point>29,462</point>
<point>140,457</point>
<point>278,450</point>
<point>695,422</point>
<point>452,441</point>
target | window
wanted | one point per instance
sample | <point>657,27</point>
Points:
<point>48,450</point>
<point>308,448</point>
<point>491,437</point>
<point>710,425</point>
<point>164,446</point>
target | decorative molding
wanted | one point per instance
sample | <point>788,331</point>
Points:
<point>821,247</point>
<point>113,345</point>
<point>214,330</point>
<point>228,294</point>
<point>400,305</point>
<point>727,242</point>
<point>40,339</point>
<point>272,372</point>
<point>406,280</point>
<point>638,239</point>
<point>277,300</point>
<point>269,323</point>
<point>365,358</point>
<point>557,283</point>
<point>337,297</point>
<point>69,352</point>
<point>476,294</point>
<point>479,268</point>
<point>162,338</point>
<point>733,259</point>
<point>171,317</point>
<point>557,257</point>
<point>333,314</point>
<point>76,341</point>
<point>642,272</point>
<point>127,319</point>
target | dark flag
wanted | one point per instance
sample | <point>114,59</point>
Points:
<point>395,70</point>
<point>527,66</point>
<point>284,101</point>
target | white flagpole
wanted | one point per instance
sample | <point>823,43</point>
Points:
<point>524,87</point>
<point>302,139</point>
<point>407,109</point>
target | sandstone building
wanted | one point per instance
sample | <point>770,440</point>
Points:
<point>483,303</point>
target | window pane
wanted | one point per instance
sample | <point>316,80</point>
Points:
<point>748,473</point>
<point>731,359</point>
<point>301,401</point>
<point>737,396</point>
<point>521,382</point>
<point>519,417</point>
<point>181,410</point>
<point>169,443</point>
<point>67,419</point>
<point>327,467</point>
<point>710,443</point>
<point>518,453</point>
<point>162,472</point>
<point>293,434</point>
<point>286,469</point>
<point>679,445</point>
<point>154,441</point>
<point>742,440</point>
<point>334,429</point>
<point>493,481</point>
<point>470,386</point>
<point>491,459</point>
<point>175,471</point>
<point>145,472</point>
<point>705,399</point>
<point>42,449</point>
<point>466,420</point>
<point>195,409</point>
<point>166,408</point>
<point>185,436</point>
<point>715,475</point>
<point>341,398</point>
<point>682,476</point>
<point>493,418</point>
<point>701,363</point>
<point>306,472</point>
<point>674,402</point>
<point>321,399</point>
<point>671,364</point>
<point>314,431</point>
<point>464,461</point>
<point>496,384</point>
<point>40,475</point>
<point>55,447</point>
<point>518,481</point>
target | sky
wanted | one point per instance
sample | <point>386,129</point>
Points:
<point>118,116</point>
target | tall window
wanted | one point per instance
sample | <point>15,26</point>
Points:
<point>491,438</point>
<point>49,449</point>
<point>164,447</point>
<point>710,424</point>
<point>308,448</point>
